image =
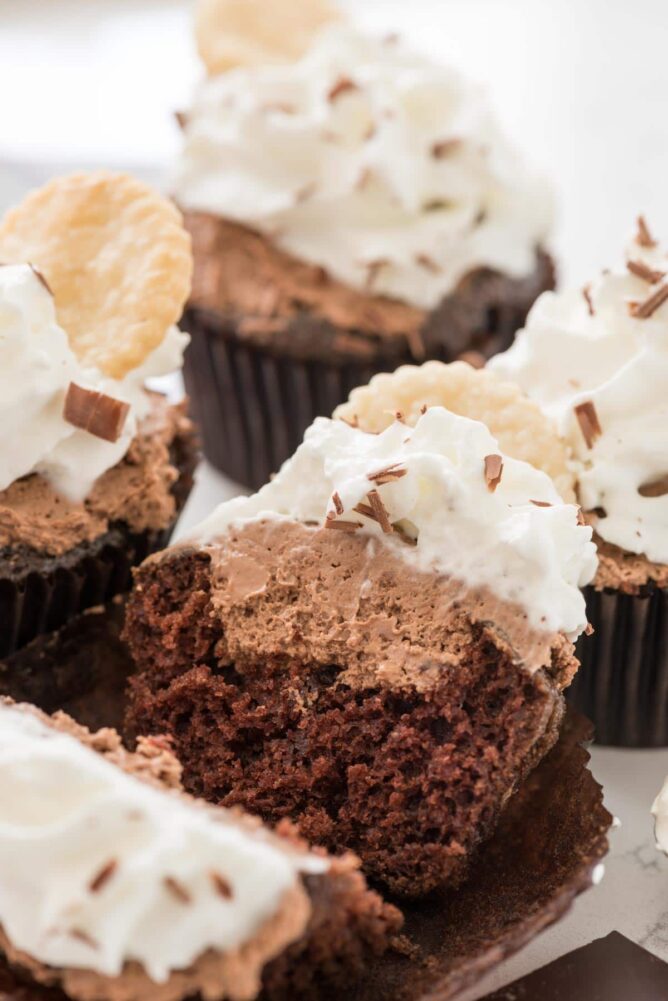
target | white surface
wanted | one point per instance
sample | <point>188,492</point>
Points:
<point>583,87</point>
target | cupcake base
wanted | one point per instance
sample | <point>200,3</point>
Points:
<point>622,684</point>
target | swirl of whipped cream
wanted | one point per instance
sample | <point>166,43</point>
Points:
<point>99,868</point>
<point>588,350</point>
<point>37,366</point>
<point>532,554</point>
<point>386,169</point>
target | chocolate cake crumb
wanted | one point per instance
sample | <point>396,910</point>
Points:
<point>493,471</point>
<point>588,421</point>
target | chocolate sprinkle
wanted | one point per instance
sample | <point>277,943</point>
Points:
<point>103,876</point>
<point>344,85</point>
<point>97,413</point>
<point>221,885</point>
<point>177,890</point>
<point>380,511</point>
<point>343,526</point>
<point>588,421</point>
<point>643,310</point>
<point>643,237</point>
<point>642,270</point>
<point>493,471</point>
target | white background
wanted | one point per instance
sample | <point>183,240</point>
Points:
<point>580,84</point>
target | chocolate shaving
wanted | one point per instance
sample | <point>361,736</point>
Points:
<point>181,119</point>
<point>444,148</point>
<point>336,500</point>
<point>423,409</point>
<point>103,876</point>
<point>642,270</point>
<point>365,509</point>
<point>403,535</point>
<point>82,936</point>
<point>177,890</point>
<point>344,85</point>
<point>493,471</point>
<point>540,503</point>
<point>657,488</point>
<point>389,473</point>
<point>588,421</point>
<point>643,236</point>
<point>343,526</point>
<point>97,413</point>
<point>305,192</point>
<point>643,310</point>
<point>40,278</point>
<point>221,885</point>
<point>586,292</point>
<point>380,511</point>
<point>428,263</point>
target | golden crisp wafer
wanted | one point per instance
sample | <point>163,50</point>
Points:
<point>116,256</point>
<point>233,33</point>
<point>520,427</point>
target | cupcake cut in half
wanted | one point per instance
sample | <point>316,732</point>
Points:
<point>351,210</point>
<point>116,885</point>
<point>94,468</point>
<point>374,645</point>
<point>596,361</point>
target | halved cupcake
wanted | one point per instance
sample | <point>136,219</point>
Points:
<point>351,210</point>
<point>116,885</point>
<point>596,361</point>
<point>375,645</point>
<point>94,467</point>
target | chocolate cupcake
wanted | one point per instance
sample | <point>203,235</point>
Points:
<point>351,211</point>
<point>114,884</point>
<point>94,468</point>
<point>374,645</point>
<point>596,360</point>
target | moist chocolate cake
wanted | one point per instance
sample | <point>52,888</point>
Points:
<point>374,645</point>
<point>350,212</point>
<point>154,895</point>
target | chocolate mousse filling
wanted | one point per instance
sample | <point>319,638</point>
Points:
<point>277,341</point>
<point>317,675</point>
<point>58,558</point>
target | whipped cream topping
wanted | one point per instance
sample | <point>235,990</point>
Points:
<point>533,555</point>
<point>588,349</point>
<point>37,365</point>
<point>67,815</point>
<point>660,812</point>
<point>386,169</point>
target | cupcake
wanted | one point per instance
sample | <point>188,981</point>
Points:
<point>116,885</point>
<point>596,360</point>
<point>352,208</point>
<point>375,645</point>
<point>94,467</point>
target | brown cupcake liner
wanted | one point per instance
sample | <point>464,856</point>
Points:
<point>622,684</point>
<point>40,594</point>
<point>253,405</point>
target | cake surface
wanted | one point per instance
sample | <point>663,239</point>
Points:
<point>164,897</point>
<point>333,673</point>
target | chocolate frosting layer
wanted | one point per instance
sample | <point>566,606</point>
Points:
<point>136,491</point>
<point>625,571</point>
<point>274,299</point>
<point>285,589</point>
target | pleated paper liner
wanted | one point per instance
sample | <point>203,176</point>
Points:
<point>622,684</point>
<point>253,406</point>
<point>40,594</point>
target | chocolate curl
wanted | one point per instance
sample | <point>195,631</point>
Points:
<point>589,422</point>
<point>97,413</point>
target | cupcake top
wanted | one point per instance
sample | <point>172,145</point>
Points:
<point>369,160</point>
<point>96,269</point>
<point>104,866</point>
<point>660,812</point>
<point>596,360</point>
<point>446,500</point>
